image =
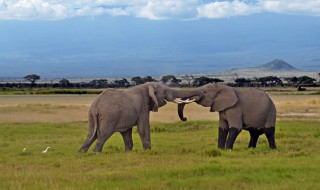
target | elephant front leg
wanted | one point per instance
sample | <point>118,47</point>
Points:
<point>233,133</point>
<point>144,133</point>
<point>127,138</point>
<point>223,133</point>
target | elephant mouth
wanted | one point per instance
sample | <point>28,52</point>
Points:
<point>197,99</point>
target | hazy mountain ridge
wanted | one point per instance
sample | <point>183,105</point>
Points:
<point>277,67</point>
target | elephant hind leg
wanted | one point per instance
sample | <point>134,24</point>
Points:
<point>270,136</point>
<point>254,136</point>
<point>104,132</point>
<point>127,138</point>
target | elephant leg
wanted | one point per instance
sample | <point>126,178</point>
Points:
<point>233,133</point>
<point>127,138</point>
<point>86,145</point>
<point>104,133</point>
<point>144,133</point>
<point>223,133</point>
<point>270,136</point>
<point>254,136</point>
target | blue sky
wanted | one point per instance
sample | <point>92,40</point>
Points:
<point>117,38</point>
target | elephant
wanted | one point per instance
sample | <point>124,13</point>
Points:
<point>116,110</point>
<point>248,109</point>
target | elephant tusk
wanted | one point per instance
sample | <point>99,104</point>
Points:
<point>179,101</point>
<point>189,101</point>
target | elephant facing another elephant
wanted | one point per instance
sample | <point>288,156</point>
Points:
<point>248,109</point>
<point>119,110</point>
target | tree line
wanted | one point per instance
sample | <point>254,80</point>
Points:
<point>30,81</point>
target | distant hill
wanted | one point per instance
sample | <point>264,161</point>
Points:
<point>277,65</point>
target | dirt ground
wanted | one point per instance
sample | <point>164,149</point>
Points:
<point>70,108</point>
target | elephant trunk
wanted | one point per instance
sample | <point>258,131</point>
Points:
<point>180,112</point>
<point>187,94</point>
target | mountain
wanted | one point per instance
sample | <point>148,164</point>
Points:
<point>277,65</point>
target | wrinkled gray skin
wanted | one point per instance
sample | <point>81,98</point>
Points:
<point>119,110</point>
<point>248,109</point>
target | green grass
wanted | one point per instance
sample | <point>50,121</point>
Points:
<point>183,156</point>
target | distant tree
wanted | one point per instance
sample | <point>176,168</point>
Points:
<point>294,80</point>
<point>270,81</point>
<point>99,83</point>
<point>242,82</point>
<point>166,78</point>
<point>188,78</point>
<point>148,79</point>
<point>32,78</point>
<point>205,80</point>
<point>137,80</point>
<point>172,80</point>
<point>122,83</point>
<point>64,83</point>
<point>306,80</point>
<point>291,80</point>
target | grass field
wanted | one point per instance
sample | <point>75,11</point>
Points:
<point>183,155</point>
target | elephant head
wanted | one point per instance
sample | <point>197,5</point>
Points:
<point>217,97</point>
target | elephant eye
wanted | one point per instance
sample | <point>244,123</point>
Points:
<point>204,92</point>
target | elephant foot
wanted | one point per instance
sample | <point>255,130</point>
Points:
<point>146,145</point>
<point>97,150</point>
<point>128,149</point>
<point>147,148</point>
<point>83,150</point>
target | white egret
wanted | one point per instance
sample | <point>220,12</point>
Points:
<point>46,150</point>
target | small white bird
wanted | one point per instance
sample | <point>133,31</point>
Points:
<point>46,150</point>
<point>24,149</point>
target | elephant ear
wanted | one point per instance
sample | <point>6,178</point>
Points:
<point>226,98</point>
<point>154,105</point>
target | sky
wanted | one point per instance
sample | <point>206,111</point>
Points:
<point>118,38</point>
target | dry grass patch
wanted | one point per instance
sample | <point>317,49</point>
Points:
<point>64,108</point>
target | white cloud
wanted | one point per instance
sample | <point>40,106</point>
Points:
<point>152,9</point>
<point>224,9</point>
<point>306,7</point>
<point>31,9</point>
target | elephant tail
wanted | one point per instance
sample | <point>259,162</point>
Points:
<point>92,133</point>
<point>94,124</point>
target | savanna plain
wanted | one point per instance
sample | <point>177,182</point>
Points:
<point>184,155</point>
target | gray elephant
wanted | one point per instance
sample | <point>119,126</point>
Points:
<point>248,109</point>
<point>119,110</point>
